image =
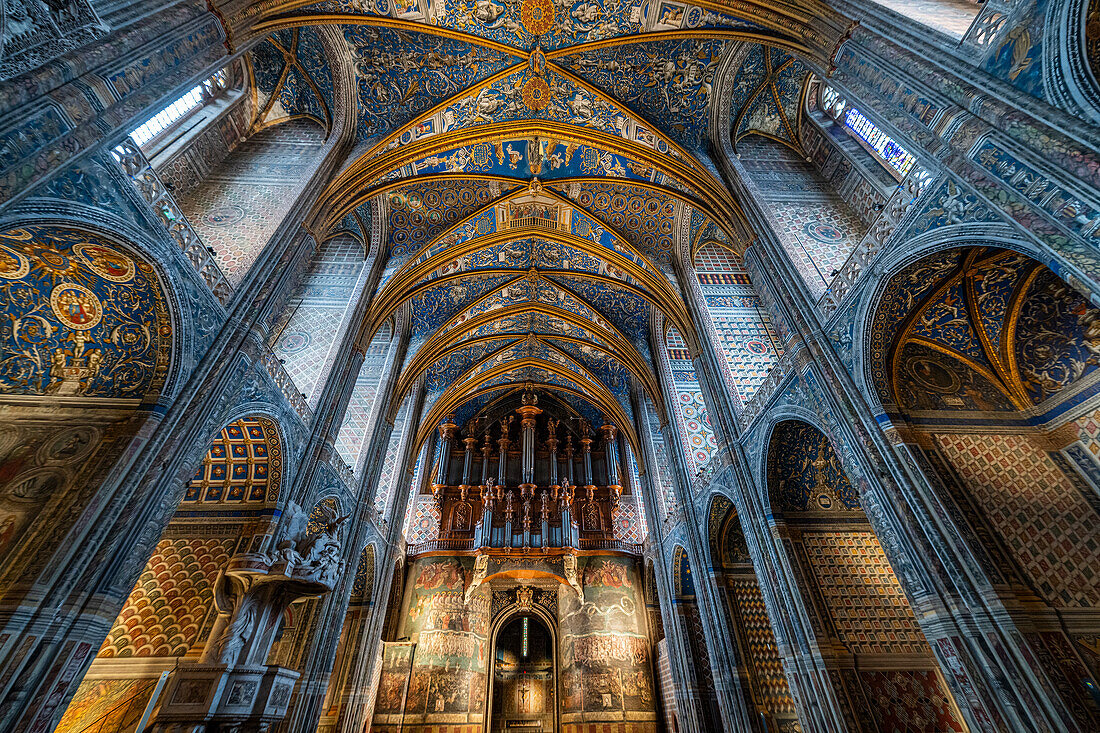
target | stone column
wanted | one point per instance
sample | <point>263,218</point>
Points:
<point>683,671</point>
<point>721,649</point>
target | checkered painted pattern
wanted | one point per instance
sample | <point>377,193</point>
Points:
<point>744,330</point>
<point>911,702</point>
<point>713,258</point>
<point>691,412</point>
<point>352,437</point>
<point>314,315</point>
<point>237,209</point>
<point>389,478</point>
<point>624,520</point>
<point>677,347</point>
<point>763,651</point>
<point>243,465</point>
<point>1041,516</point>
<point>666,495</point>
<point>1088,432</point>
<point>870,611</point>
<point>643,527</point>
<point>816,226</point>
<point>424,521</point>
<point>666,684</point>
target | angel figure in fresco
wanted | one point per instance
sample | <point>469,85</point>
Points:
<point>486,104</point>
<point>488,13</point>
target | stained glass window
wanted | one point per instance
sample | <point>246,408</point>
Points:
<point>192,100</point>
<point>524,636</point>
<point>880,144</point>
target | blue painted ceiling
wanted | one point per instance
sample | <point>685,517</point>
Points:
<point>541,165</point>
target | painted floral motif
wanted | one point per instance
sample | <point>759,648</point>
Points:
<point>82,318</point>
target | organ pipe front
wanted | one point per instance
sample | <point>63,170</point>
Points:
<point>526,498</point>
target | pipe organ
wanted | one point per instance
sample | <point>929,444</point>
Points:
<point>525,496</point>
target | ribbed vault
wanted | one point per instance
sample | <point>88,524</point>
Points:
<point>542,167</point>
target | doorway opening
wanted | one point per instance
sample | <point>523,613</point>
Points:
<point>523,683</point>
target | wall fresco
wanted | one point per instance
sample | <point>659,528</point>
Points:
<point>448,671</point>
<point>83,317</point>
<point>605,665</point>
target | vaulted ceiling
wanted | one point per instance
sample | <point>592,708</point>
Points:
<point>541,164</point>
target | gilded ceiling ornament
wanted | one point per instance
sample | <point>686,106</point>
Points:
<point>76,306</point>
<point>537,16</point>
<point>13,265</point>
<point>107,263</point>
<point>536,93</point>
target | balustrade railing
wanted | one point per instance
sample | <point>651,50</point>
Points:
<point>149,186</point>
<point>986,29</point>
<point>444,545</point>
<point>611,545</point>
<point>465,545</point>
<point>286,385</point>
<point>900,203</point>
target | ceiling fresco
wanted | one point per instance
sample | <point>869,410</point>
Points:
<point>767,96</point>
<point>400,73</point>
<point>981,329</point>
<point>804,472</point>
<point>668,82</point>
<point>81,317</point>
<point>422,210</point>
<point>538,163</point>
<point>553,24</point>
<point>291,78</point>
<point>244,465</point>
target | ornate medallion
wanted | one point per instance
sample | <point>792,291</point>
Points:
<point>224,216</point>
<point>537,16</point>
<point>536,93</point>
<point>823,232</point>
<point>76,306</point>
<point>12,264</point>
<point>107,263</point>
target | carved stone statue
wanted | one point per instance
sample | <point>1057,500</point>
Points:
<point>310,555</point>
<point>569,564</point>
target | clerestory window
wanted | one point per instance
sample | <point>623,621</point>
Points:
<point>888,152</point>
<point>198,97</point>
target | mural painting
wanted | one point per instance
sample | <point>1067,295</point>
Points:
<point>606,669</point>
<point>448,669</point>
<point>82,318</point>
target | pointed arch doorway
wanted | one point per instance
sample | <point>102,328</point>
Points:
<point>523,681</point>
